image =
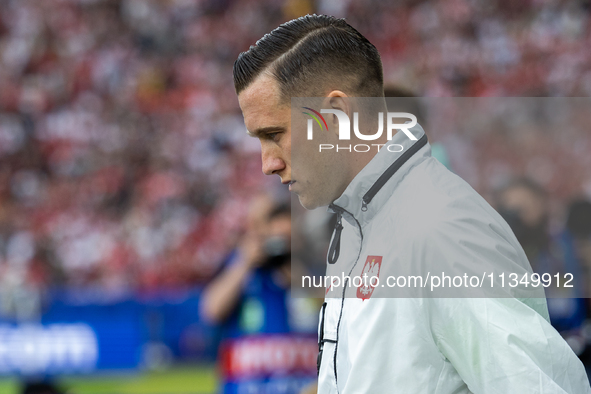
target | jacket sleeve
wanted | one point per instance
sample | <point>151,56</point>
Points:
<point>497,345</point>
<point>504,346</point>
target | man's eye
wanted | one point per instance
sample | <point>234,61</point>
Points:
<point>273,136</point>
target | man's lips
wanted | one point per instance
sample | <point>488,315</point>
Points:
<point>290,183</point>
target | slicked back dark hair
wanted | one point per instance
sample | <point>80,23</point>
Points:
<point>312,53</point>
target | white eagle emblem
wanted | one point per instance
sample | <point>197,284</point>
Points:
<point>372,269</point>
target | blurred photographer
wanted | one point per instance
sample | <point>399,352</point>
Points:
<point>269,338</point>
<point>258,267</point>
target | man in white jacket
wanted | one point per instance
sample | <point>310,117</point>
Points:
<point>398,211</point>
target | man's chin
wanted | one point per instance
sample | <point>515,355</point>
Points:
<point>309,204</point>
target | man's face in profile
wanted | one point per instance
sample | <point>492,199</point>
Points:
<point>269,119</point>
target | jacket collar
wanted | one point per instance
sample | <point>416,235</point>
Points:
<point>375,183</point>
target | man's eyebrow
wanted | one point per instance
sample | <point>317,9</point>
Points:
<point>263,130</point>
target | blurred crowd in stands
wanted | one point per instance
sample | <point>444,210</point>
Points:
<point>124,165</point>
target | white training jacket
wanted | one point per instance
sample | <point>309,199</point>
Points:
<point>408,210</point>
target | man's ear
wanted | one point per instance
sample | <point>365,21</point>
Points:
<point>337,99</point>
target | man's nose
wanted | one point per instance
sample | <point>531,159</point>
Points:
<point>272,164</point>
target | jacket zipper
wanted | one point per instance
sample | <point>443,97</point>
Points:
<point>335,246</point>
<point>375,188</point>
<point>340,212</point>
